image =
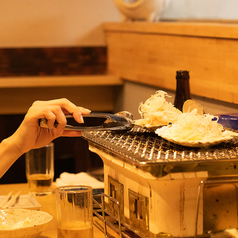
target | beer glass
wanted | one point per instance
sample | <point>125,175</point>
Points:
<point>74,211</point>
<point>40,169</point>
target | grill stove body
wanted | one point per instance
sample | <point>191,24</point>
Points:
<point>163,188</point>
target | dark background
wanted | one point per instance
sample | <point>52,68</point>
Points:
<point>71,153</point>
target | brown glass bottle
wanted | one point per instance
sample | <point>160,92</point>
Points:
<point>182,88</point>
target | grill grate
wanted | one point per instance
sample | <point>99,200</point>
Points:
<point>141,147</point>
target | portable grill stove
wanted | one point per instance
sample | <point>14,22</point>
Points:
<point>165,189</point>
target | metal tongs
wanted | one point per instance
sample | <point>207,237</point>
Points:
<point>97,121</point>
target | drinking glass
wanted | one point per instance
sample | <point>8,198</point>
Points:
<point>74,211</point>
<point>40,169</point>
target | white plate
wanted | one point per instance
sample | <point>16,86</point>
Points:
<point>25,202</point>
<point>196,143</point>
<point>23,223</point>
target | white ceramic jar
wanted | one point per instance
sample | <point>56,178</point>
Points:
<point>149,10</point>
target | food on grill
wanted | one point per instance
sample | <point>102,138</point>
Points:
<point>194,130</point>
<point>156,111</point>
<point>190,104</point>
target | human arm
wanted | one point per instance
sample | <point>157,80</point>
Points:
<point>30,135</point>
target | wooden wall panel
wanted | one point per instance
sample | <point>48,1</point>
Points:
<point>152,55</point>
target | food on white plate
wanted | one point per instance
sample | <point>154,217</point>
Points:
<point>24,223</point>
<point>195,130</point>
<point>19,223</point>
<point>156,111</point>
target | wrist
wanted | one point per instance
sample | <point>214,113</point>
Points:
<point>8,154</point>
<point>11,148</point>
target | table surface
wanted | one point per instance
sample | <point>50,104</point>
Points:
<point>48,205</point>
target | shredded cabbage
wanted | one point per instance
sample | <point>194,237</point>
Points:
<point>156,111</point>
<point>192,127</point>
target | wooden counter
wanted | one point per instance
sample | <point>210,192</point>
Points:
<point>48,205</point>
<point>150,53</point>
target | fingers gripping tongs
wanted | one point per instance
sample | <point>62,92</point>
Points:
<point>95,121</point>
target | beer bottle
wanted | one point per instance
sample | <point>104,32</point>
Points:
<point>182,89</point>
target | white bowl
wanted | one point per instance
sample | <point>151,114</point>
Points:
<point>19,223</point>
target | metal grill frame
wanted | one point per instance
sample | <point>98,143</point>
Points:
<point>159,157</point>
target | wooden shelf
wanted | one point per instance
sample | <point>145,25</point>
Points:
<point>59,81</point>
<point>150,53</point>
<point>96,92</point>
<point>196,28</point>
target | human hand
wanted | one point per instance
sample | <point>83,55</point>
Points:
<point>30,135</point>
